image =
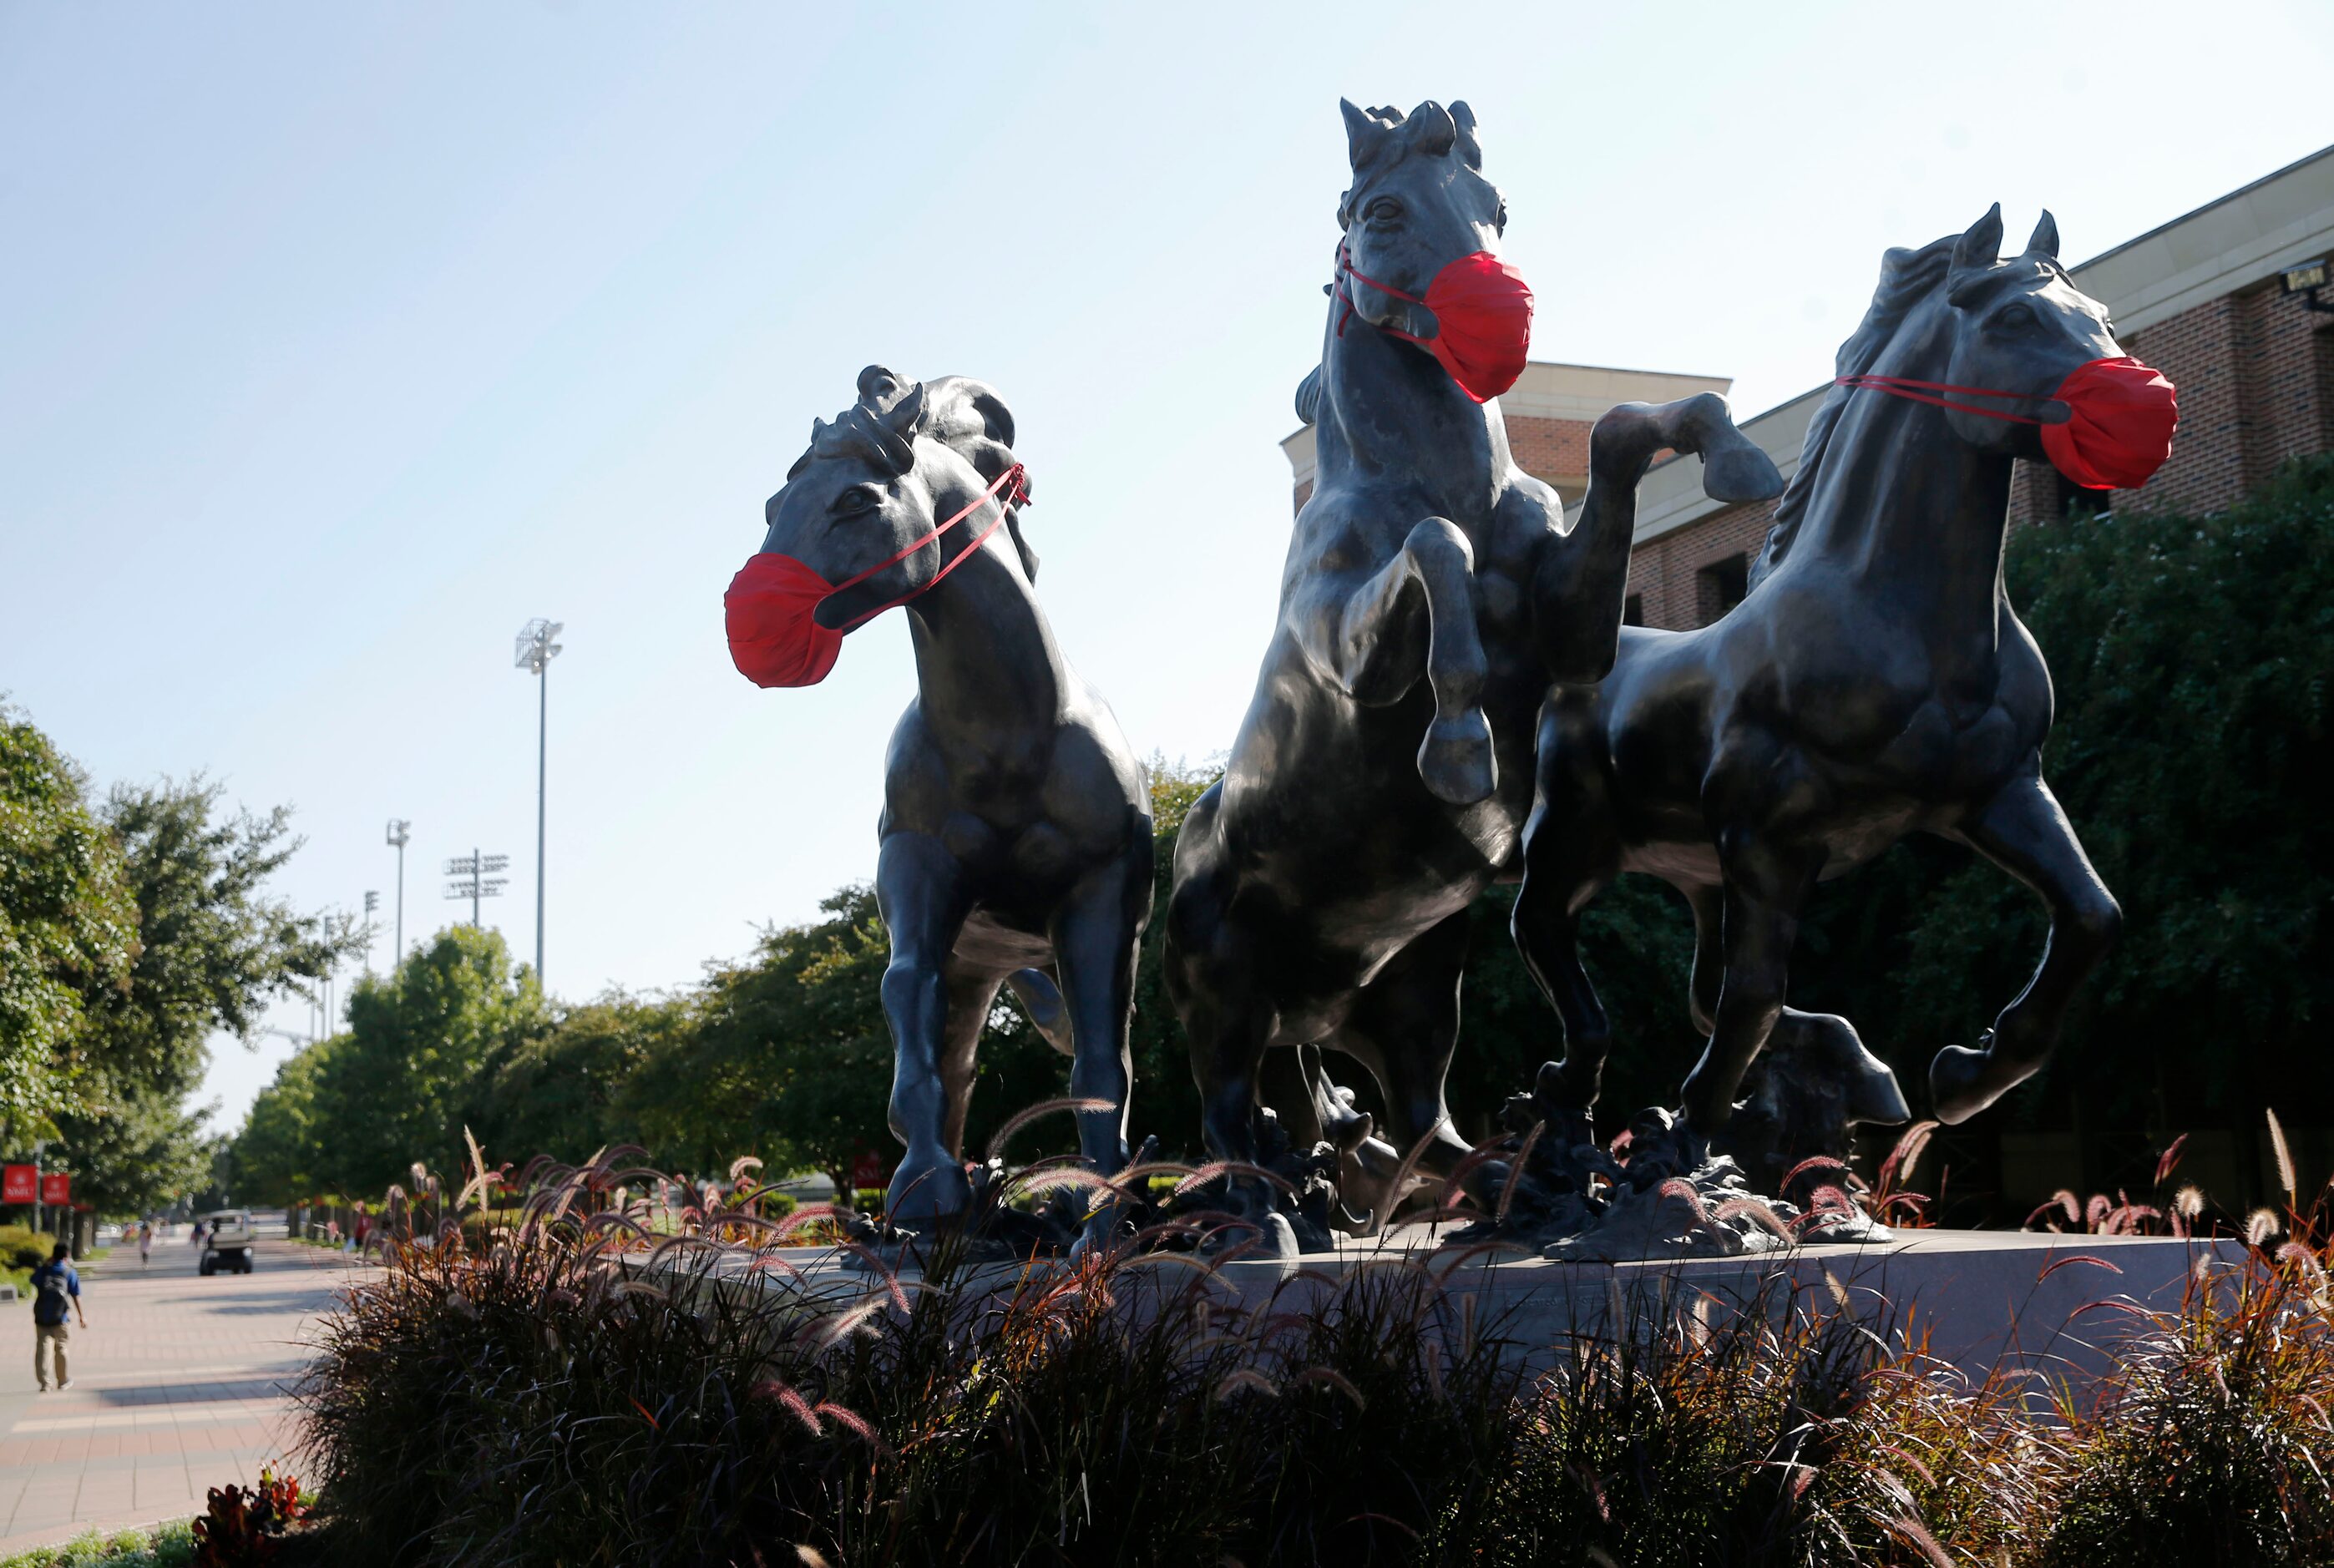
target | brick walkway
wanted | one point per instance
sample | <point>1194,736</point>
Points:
<point>178,1386</point>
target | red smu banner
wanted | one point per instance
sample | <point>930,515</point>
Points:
<point>56,1188</point>
<point>17,1183</point>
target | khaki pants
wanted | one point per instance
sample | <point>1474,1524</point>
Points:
<point>49,1345</point>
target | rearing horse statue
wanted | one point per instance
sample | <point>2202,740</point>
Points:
<point>1382,776</point>
<point>1016,833</point>
<point>1875,682</point>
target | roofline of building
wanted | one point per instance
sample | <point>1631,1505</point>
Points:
<point>2193,213</point>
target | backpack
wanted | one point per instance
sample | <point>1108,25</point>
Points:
<point>49,1304</point>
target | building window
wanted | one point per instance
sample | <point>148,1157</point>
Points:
<point>1633,609</point>
<point>1719,587</point>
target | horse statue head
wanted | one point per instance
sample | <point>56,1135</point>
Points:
<point>2021,361</point>
<point>889,498</point>
<point>1419,259</point>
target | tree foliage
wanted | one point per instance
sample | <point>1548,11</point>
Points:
<point>213,949</point>
<point>68,927</point>
<point>416,1064</point>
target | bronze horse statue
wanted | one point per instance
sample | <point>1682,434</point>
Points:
<point>1875,682</point>
<point>1382,776</point>
<point>1016,832</point>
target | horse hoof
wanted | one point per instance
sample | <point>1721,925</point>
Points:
<point>1957,1089</point>
<point>921,1194</point>
<point>1456,759</point>
<point>1738,471</point>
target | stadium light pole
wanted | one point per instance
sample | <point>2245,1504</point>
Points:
<point>400,830</point>
<point>473,880</point>
<point>536,649</point>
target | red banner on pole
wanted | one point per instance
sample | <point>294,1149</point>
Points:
<point>17,1183</point>
<point>56,1188</point>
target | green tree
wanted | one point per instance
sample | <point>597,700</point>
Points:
<point>68,929</point>
<point>558,1093</point>
<point>416,1064</point>
<point>214,949</point>
<point>280,1155</point>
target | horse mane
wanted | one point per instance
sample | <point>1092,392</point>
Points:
<point>1907,278</point>
<point>965,416</point>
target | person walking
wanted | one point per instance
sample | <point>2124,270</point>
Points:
<point>56,1289</point>
<point>145,1240</point>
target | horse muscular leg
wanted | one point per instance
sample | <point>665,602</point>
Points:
<point>1371,654</point>
<point>1578,588</point>
<point>969,998</point>
<point>1763,895</point>
<point>1708,904</point>
<point>1094,941</point>
<point>1568,857</point>
<point>2023,831</point>
<point>920,888</point>
<point>1404,1026</point>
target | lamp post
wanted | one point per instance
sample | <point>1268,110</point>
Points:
<point>536,649</point>
<point>400,830</point>
<point>472,880</point>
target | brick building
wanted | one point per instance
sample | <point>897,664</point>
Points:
<point>2200,298</point>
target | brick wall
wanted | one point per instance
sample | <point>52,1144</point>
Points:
<point>1555,451</point>
<point>1667,574</point>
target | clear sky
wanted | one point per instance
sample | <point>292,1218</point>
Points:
<point>335,343</point>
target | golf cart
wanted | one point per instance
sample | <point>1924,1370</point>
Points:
<point>228,1245</point>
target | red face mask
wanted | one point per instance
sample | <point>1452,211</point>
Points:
<point>770,609</point>
<point>2117,432</point>
<point>1482,311</point>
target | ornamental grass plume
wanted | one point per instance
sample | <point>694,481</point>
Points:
<point>2212,1437</point>
<point>572,1389</point>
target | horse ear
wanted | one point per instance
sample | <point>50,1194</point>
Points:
<point>1470,149</point>
<point>1366,135</point>
<point>1980,248</point>
<point>878,386</point>
<point>1432,129</point>
<point>2045,242</point>
<point>906,414</point>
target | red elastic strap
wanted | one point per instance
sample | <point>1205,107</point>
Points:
<point>1346,268</point>
<point>1904,387</point>
<point>1013,475</point>
<point>1346,265</point>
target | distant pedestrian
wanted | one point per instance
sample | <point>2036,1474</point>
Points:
<point>56,1289</point>
<point>145,1240</point>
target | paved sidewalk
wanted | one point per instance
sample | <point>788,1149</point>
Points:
<point>178,1386</point>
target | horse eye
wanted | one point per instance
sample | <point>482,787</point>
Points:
<point>2018,315</point>
<point>1386,209</point>
<point>858,499</point>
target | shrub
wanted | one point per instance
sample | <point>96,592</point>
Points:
<point>559,1392</point>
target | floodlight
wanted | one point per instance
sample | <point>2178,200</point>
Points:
<point>535,649</point>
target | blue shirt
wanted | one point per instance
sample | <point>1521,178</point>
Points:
<point>53,1272</point>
